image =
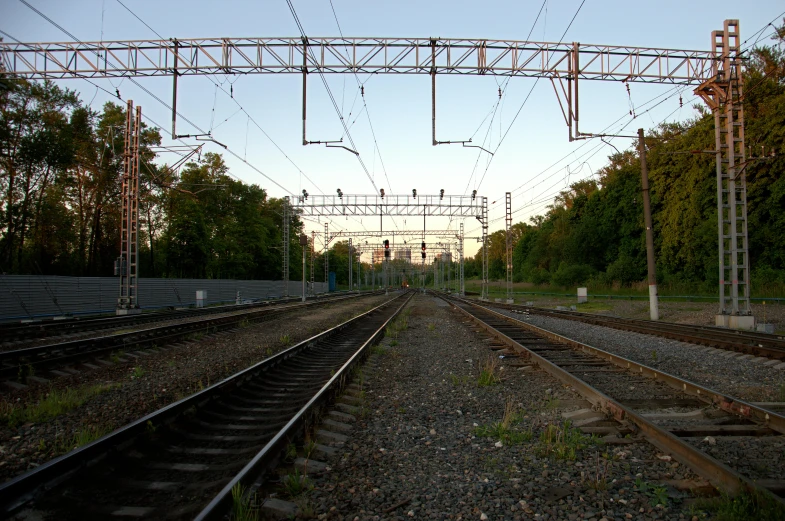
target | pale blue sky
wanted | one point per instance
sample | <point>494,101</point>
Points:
<point>400,105</point>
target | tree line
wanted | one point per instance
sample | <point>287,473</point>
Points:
<point>593,232</point>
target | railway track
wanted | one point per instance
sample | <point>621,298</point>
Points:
<point>12,336</point>
<point>697,426</point>
<point>20,364</point>
<point>748,342</point>
<point>182,461</point>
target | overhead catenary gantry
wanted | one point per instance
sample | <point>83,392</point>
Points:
<point>441,205</point>
<point>717,74</point>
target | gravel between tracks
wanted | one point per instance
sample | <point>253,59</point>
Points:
<point>145,383</point>
<point>742,379</point>
<point>417,454</point>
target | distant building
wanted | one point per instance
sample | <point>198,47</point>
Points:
<point>403,254</point>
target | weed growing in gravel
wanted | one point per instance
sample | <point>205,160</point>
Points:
<point>458,380</point>
<point>170,363</point>
<point>757,505</point>
<point>243,508</point>
<point>285,340</point>
<point>489,369</point>
<point>600,480</point>
<point>137,373</point>
<point>393,343</point>
<point>291,452</point>
<point>658,494</point>
<point>431,326</point>
<point>552,403</point>
<point>295,484</point>
<point>305,509</point>
<point>505,430</point>
<point>654,355</point>
<point>563,441</point>
<point>81,437</point>
<point>24,372</point>
<point>378,350</point>
<point>150,427</point>
<point>50,405</point>
<point>781,397</point>
<point>309,448</point>
<point>395,327</point>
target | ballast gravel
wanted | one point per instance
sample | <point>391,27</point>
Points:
<point>743,379</point>
<point>135,384</point>
<point>416,450</point>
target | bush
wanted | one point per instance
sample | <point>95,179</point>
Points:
<point>625,270</point>
<point>570,275</point>
<point>539,276</point>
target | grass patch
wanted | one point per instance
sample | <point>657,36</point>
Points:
<point>285,340</point>
<point>137,373</point>
<point>81,437</point>
<point>243,508</point>
<point>50,405</point>
<point>506,430</point>
<point>295,484</point>
<point>489,372</point>
<point>400,323</point>
<point>459,380</point>
<point>749,505</point>
<point>563,441</point>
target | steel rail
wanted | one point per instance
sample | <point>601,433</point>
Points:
<point>15,332</point>
<point>33,485</point>
<point>72,350</point>
<point>714,471</point>
<point>755,343</point>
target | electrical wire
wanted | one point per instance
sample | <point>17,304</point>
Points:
<point>315,62</point>
<point>506,132</point>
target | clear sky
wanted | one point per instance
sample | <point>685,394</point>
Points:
<point>535,161</point>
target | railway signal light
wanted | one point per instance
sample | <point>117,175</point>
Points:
<point>441,194</point>
<point>381,192</point>
<point>423,245</point>
<point>386,248</point>
<point>423,255</point>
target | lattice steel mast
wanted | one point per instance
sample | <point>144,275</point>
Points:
<point>723,94</point>
<point>127,264</point>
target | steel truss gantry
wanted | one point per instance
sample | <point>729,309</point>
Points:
<point>401,205</point>
<point>194,56</point>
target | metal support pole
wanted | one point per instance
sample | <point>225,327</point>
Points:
<point>508,229</point>
<point>304,245</point>
<point>285,238</point>
<point>462,288</point>
<point>174,91</point>
<point>313,247</point>
<point>351,269</point>
<point>326,257</point>
<point>484,220</point>
<point>305,86</point>
<point>433,91</point>
<point>654,312</point>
